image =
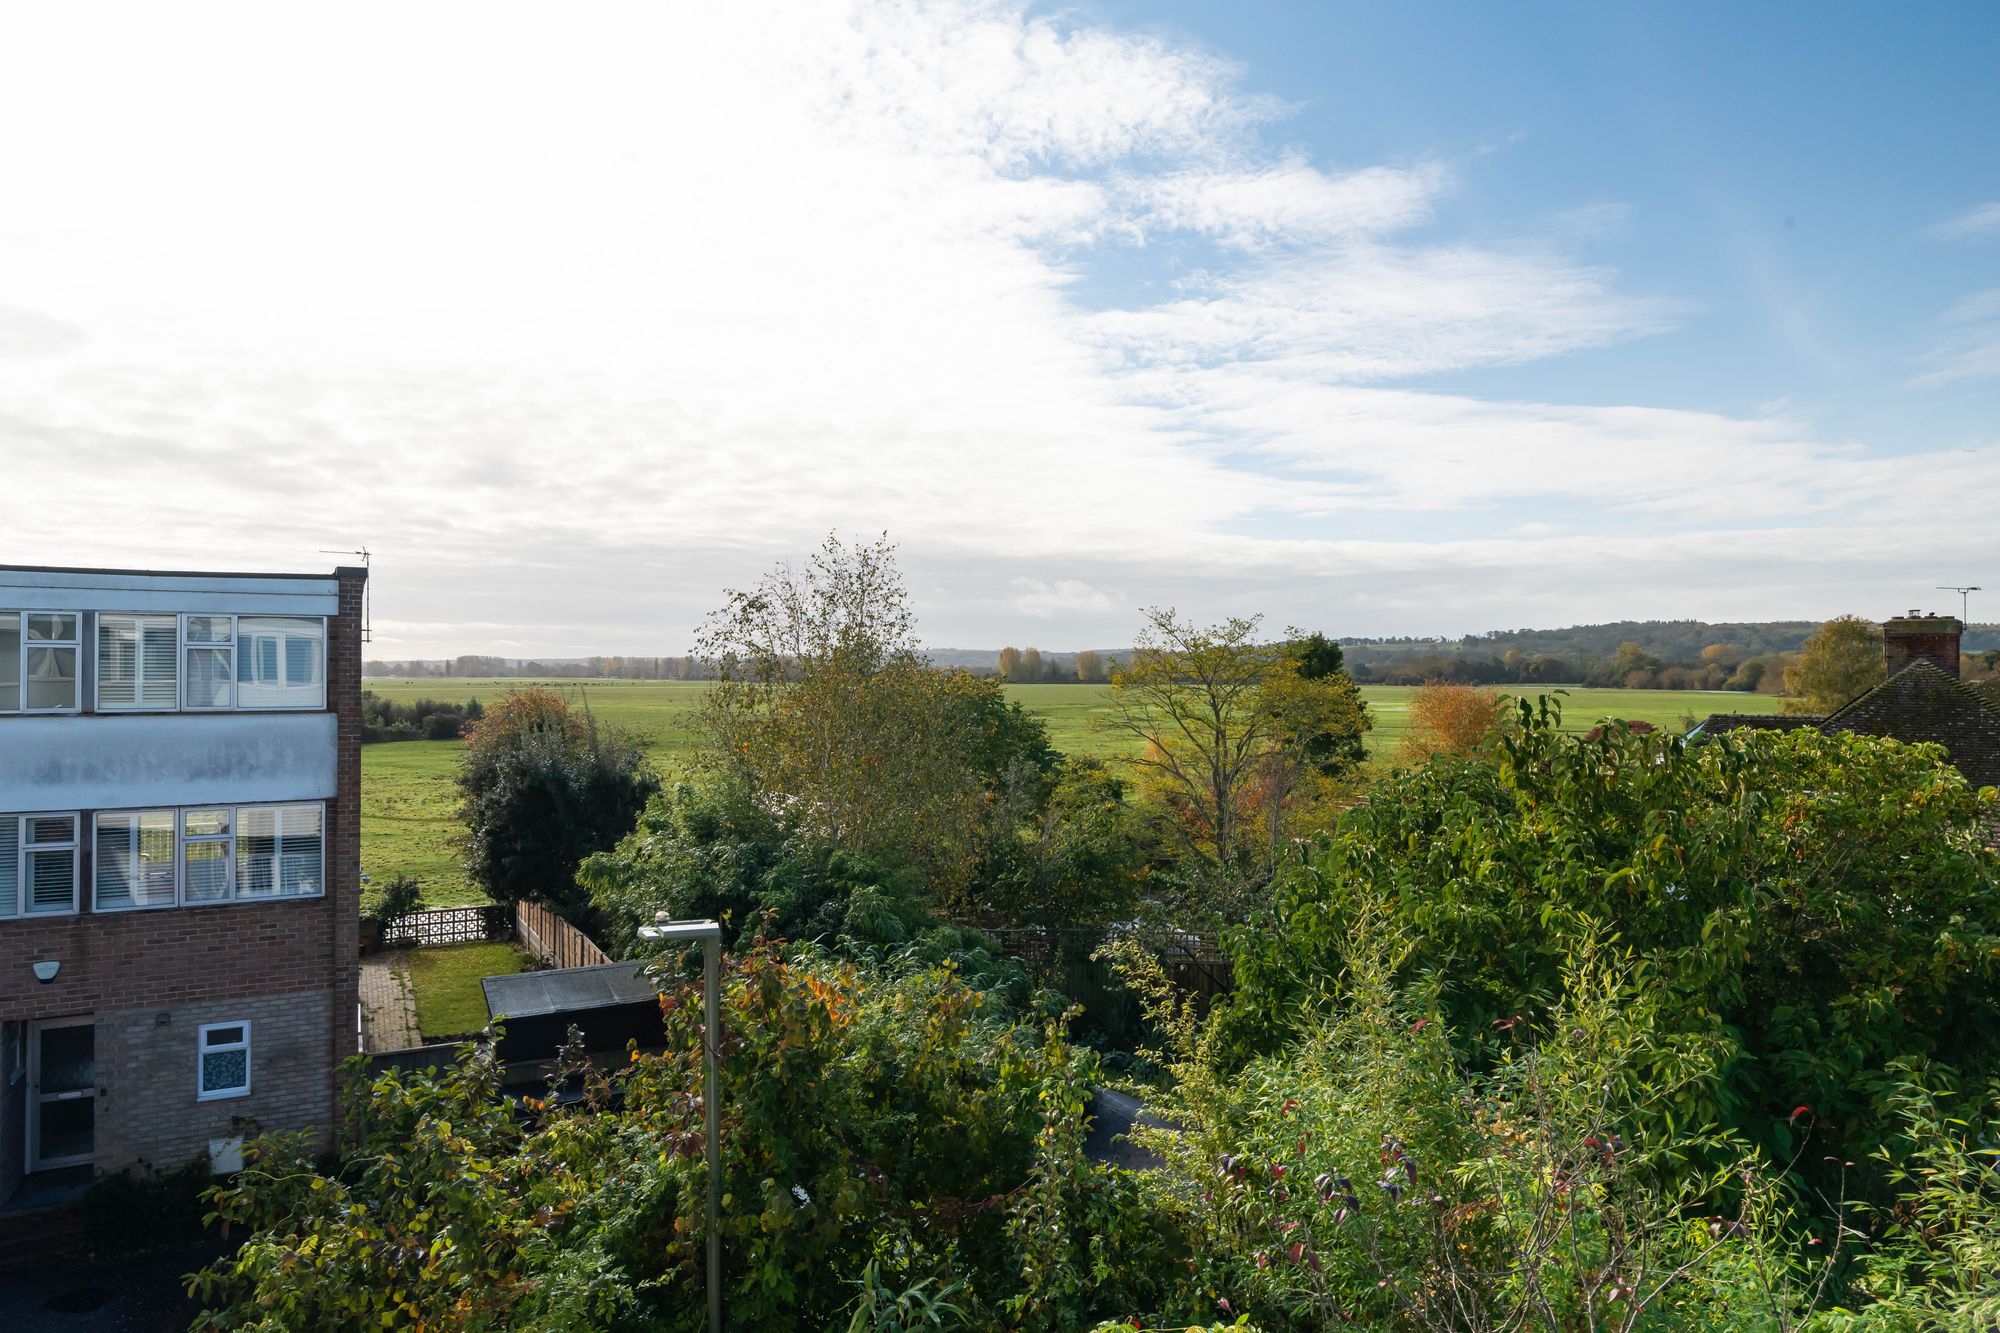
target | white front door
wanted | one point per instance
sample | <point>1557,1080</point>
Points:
<point>62,1093</point>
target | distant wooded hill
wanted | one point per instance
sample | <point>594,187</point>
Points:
<point>1669,654</point>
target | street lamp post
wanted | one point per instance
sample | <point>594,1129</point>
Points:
<point>664,931</point>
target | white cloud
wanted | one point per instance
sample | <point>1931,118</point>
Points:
<point>1045,598</point>
<point>1970,347</point>
<point>1980,220</point>
<point>575,322</point>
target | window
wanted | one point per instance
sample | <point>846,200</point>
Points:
<point>223,1061</point>
<point>135,861</point>
<point>280,662</point>
<point>208,856</point>
<point>278,851</point>
<point>209,643</point>
<point>137,657</point>
<point>38,661</point>
<point>37,865</point>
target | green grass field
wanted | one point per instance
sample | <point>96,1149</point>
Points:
<point>409,825</point>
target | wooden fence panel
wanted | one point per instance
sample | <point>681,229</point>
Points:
<point>553,940</point>
<point>450,925</point>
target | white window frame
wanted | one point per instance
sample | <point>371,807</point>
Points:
<point>277,854</point>
<point>75,642</point>
<point>23,852</point>
<point>188,647</point>
<point>138,664</point>
<point>284,706</point>
<point>227,841</point>
<point>97,864</point>
<point>202,1050</point>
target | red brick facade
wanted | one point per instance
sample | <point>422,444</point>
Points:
<point>149,979</point>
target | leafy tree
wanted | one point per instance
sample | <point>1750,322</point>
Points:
<point>1816,907</point>
<point>1089,667</point>
<point>827,716</point>
<point>1842,659</point>
<point>1010,664</point>
<point>545,786</point>
<point>1231,729</point>
<point>1083,858</point>
<point>702,849</point>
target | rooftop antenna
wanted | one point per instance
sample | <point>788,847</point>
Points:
<point>1964,591</point>
<point>367,594</point>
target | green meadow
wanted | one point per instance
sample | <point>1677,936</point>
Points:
<point>409,825</point>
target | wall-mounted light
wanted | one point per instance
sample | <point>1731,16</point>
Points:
<point>45,971</point>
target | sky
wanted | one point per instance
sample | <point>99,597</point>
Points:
<point>1375,319</point>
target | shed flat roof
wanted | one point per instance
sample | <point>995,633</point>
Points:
<point>566,990</point>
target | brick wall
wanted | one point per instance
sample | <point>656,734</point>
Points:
<point>148,1114</point>
<point>343,846</point>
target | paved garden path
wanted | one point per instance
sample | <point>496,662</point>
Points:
<point>388,1005</point>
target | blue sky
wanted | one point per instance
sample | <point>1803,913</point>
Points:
<point>1409,318</point>
<point>1777,167</point>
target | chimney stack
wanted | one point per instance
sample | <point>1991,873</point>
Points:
<point>1932,637</point>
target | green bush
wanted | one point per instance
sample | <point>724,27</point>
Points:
<point>1809,908</point>
<point>894,1128</point>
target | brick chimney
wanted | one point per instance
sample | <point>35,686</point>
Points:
<point>1931,636</point>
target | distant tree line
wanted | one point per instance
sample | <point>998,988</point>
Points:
<point>482,666</point>
<point>1030,666</point>
<point>420,720</point>
<point>1716,666</point>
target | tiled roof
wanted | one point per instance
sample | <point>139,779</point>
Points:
<point>1923,702</point>
<point>1717,722</point>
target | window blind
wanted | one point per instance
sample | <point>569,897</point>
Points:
<point>49,862</point>
<point>137,661</point>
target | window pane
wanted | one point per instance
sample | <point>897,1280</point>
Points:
<point>223,1037</point>
<point>10,865</point>
<point>159,646</point>
<point>51,881</point>
<point>209,683</point>
<point>224,1071</point>
<point>256,852</point>
<point>210,629</point>
<point>51,677</point>
<point>299,850</point>
<point>135,860</point>
<point>46,829</point>
<point>10,661</point>
<point>52,628</point>
<point>281,662</point>
<point>208,877</point>
<point>301,661</point>
<point>117,662</point>
<point>205,823</point>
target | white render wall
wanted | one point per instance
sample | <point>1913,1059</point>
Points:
<point>133,761</point>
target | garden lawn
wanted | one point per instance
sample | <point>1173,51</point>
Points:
<point>445,981</point>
